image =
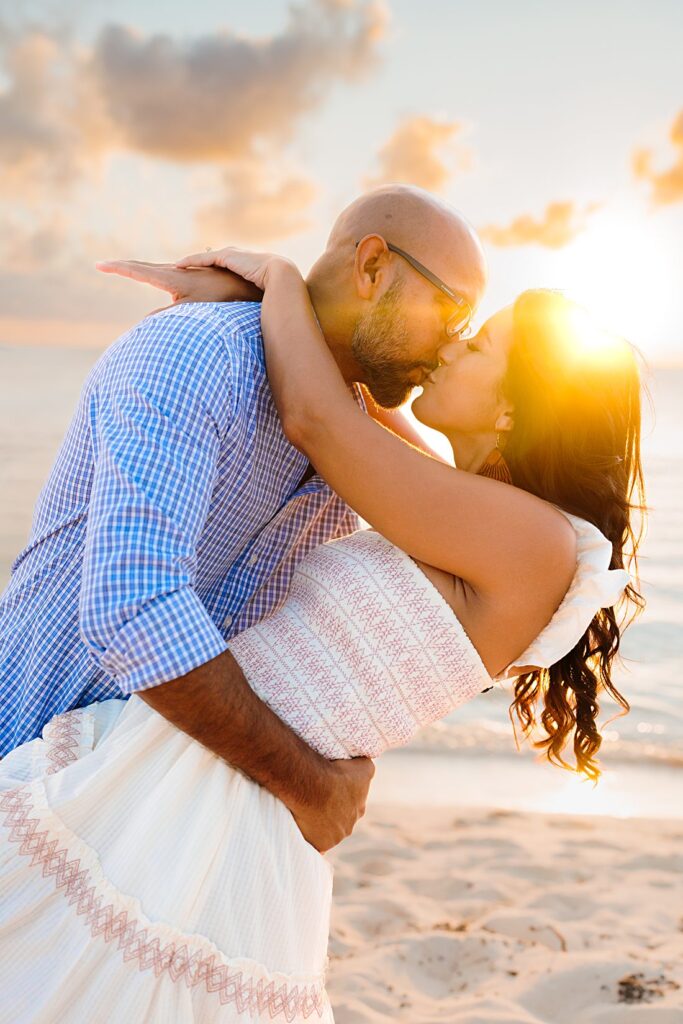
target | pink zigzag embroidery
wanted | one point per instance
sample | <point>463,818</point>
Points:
<point>61,735</point>
<point>178,961</point>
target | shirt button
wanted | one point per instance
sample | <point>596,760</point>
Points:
<point>227,621</point>
<point>253,560</point>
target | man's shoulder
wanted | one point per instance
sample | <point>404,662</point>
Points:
<point>190,337</point>
<point>237,324</point>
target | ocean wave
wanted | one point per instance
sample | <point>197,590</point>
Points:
<point>473,738</point>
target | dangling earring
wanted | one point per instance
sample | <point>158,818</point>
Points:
<point>495,467</point>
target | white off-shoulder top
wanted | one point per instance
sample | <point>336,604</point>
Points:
<point>365,650</point>
<point>594,586</point>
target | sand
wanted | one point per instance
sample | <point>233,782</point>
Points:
<point>482,916</point>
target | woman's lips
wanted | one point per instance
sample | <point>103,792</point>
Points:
<point>419,376</point>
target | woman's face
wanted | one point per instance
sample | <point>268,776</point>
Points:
<point>463,395</point>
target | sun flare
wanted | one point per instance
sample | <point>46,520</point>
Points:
<point>621,270</point>
<point>592,343</point>
<point>572,794</point>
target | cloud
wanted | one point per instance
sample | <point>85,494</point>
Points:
<point>34,133</point>
<point>211,99</point>
<point>257,207</point>
<point>29,249</point>
<point>411,154</point>
<point>227,104</point>
<point>559,225</point>
<point>218,101</point>
<point>52,126</point>
<point>667,185</point>
<point>220,96</point>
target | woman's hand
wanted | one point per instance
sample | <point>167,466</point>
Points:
<point>201,284</point>
<point>254,267</point>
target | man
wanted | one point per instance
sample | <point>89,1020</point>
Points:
<point>176,510</point>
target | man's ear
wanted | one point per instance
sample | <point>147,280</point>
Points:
<point>370,265</point>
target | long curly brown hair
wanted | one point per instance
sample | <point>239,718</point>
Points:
<point>576,443</point>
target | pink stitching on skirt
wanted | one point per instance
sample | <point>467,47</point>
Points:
<point>61,735</point>
<point>178,961</point>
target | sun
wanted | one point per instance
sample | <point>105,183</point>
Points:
<point>619,269</point>
<point>592,344</point>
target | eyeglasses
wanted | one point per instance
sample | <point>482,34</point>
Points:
<point>459,322</point>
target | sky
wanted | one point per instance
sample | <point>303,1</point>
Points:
<point>151,130</point>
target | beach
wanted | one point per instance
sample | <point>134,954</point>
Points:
<point>482,887</point>
<point>489,916</point>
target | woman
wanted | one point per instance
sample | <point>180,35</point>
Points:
<point>141,878</point>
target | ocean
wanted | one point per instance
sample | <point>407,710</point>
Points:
<point>470,757</point>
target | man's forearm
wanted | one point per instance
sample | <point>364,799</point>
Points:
<point>216,706</point>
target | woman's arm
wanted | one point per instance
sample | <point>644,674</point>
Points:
<point>489,534</point>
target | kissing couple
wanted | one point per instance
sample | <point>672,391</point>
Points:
<point>202,647</point>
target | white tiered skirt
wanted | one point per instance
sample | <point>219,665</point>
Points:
<point>145,881</point>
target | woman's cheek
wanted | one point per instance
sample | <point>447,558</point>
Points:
<point>448,409</point>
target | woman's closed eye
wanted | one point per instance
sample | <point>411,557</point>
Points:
<point>472,346</point>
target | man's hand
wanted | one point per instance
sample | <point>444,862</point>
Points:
<point>216,706</point>
<point>323,828</point>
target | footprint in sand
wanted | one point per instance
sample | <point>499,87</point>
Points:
<point>526,927</point>
<point>442,887</point>
<point>564,906</point>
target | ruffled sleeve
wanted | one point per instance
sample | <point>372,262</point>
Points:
<point>594,586</point>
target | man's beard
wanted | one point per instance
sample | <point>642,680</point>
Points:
<point>379,345</point>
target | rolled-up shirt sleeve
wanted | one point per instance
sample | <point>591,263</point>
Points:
<point>158,413</point>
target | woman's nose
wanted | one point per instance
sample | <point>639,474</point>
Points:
<point>448,351</point>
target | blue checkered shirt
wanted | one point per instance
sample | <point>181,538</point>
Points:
<point>172,519</point>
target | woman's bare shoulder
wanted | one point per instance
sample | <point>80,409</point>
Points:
<point>502,621</point>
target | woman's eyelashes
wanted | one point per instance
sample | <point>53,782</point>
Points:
<point>471,346</point>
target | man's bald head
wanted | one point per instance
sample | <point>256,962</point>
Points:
<point>425,226</point>
<point>383,320</point>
